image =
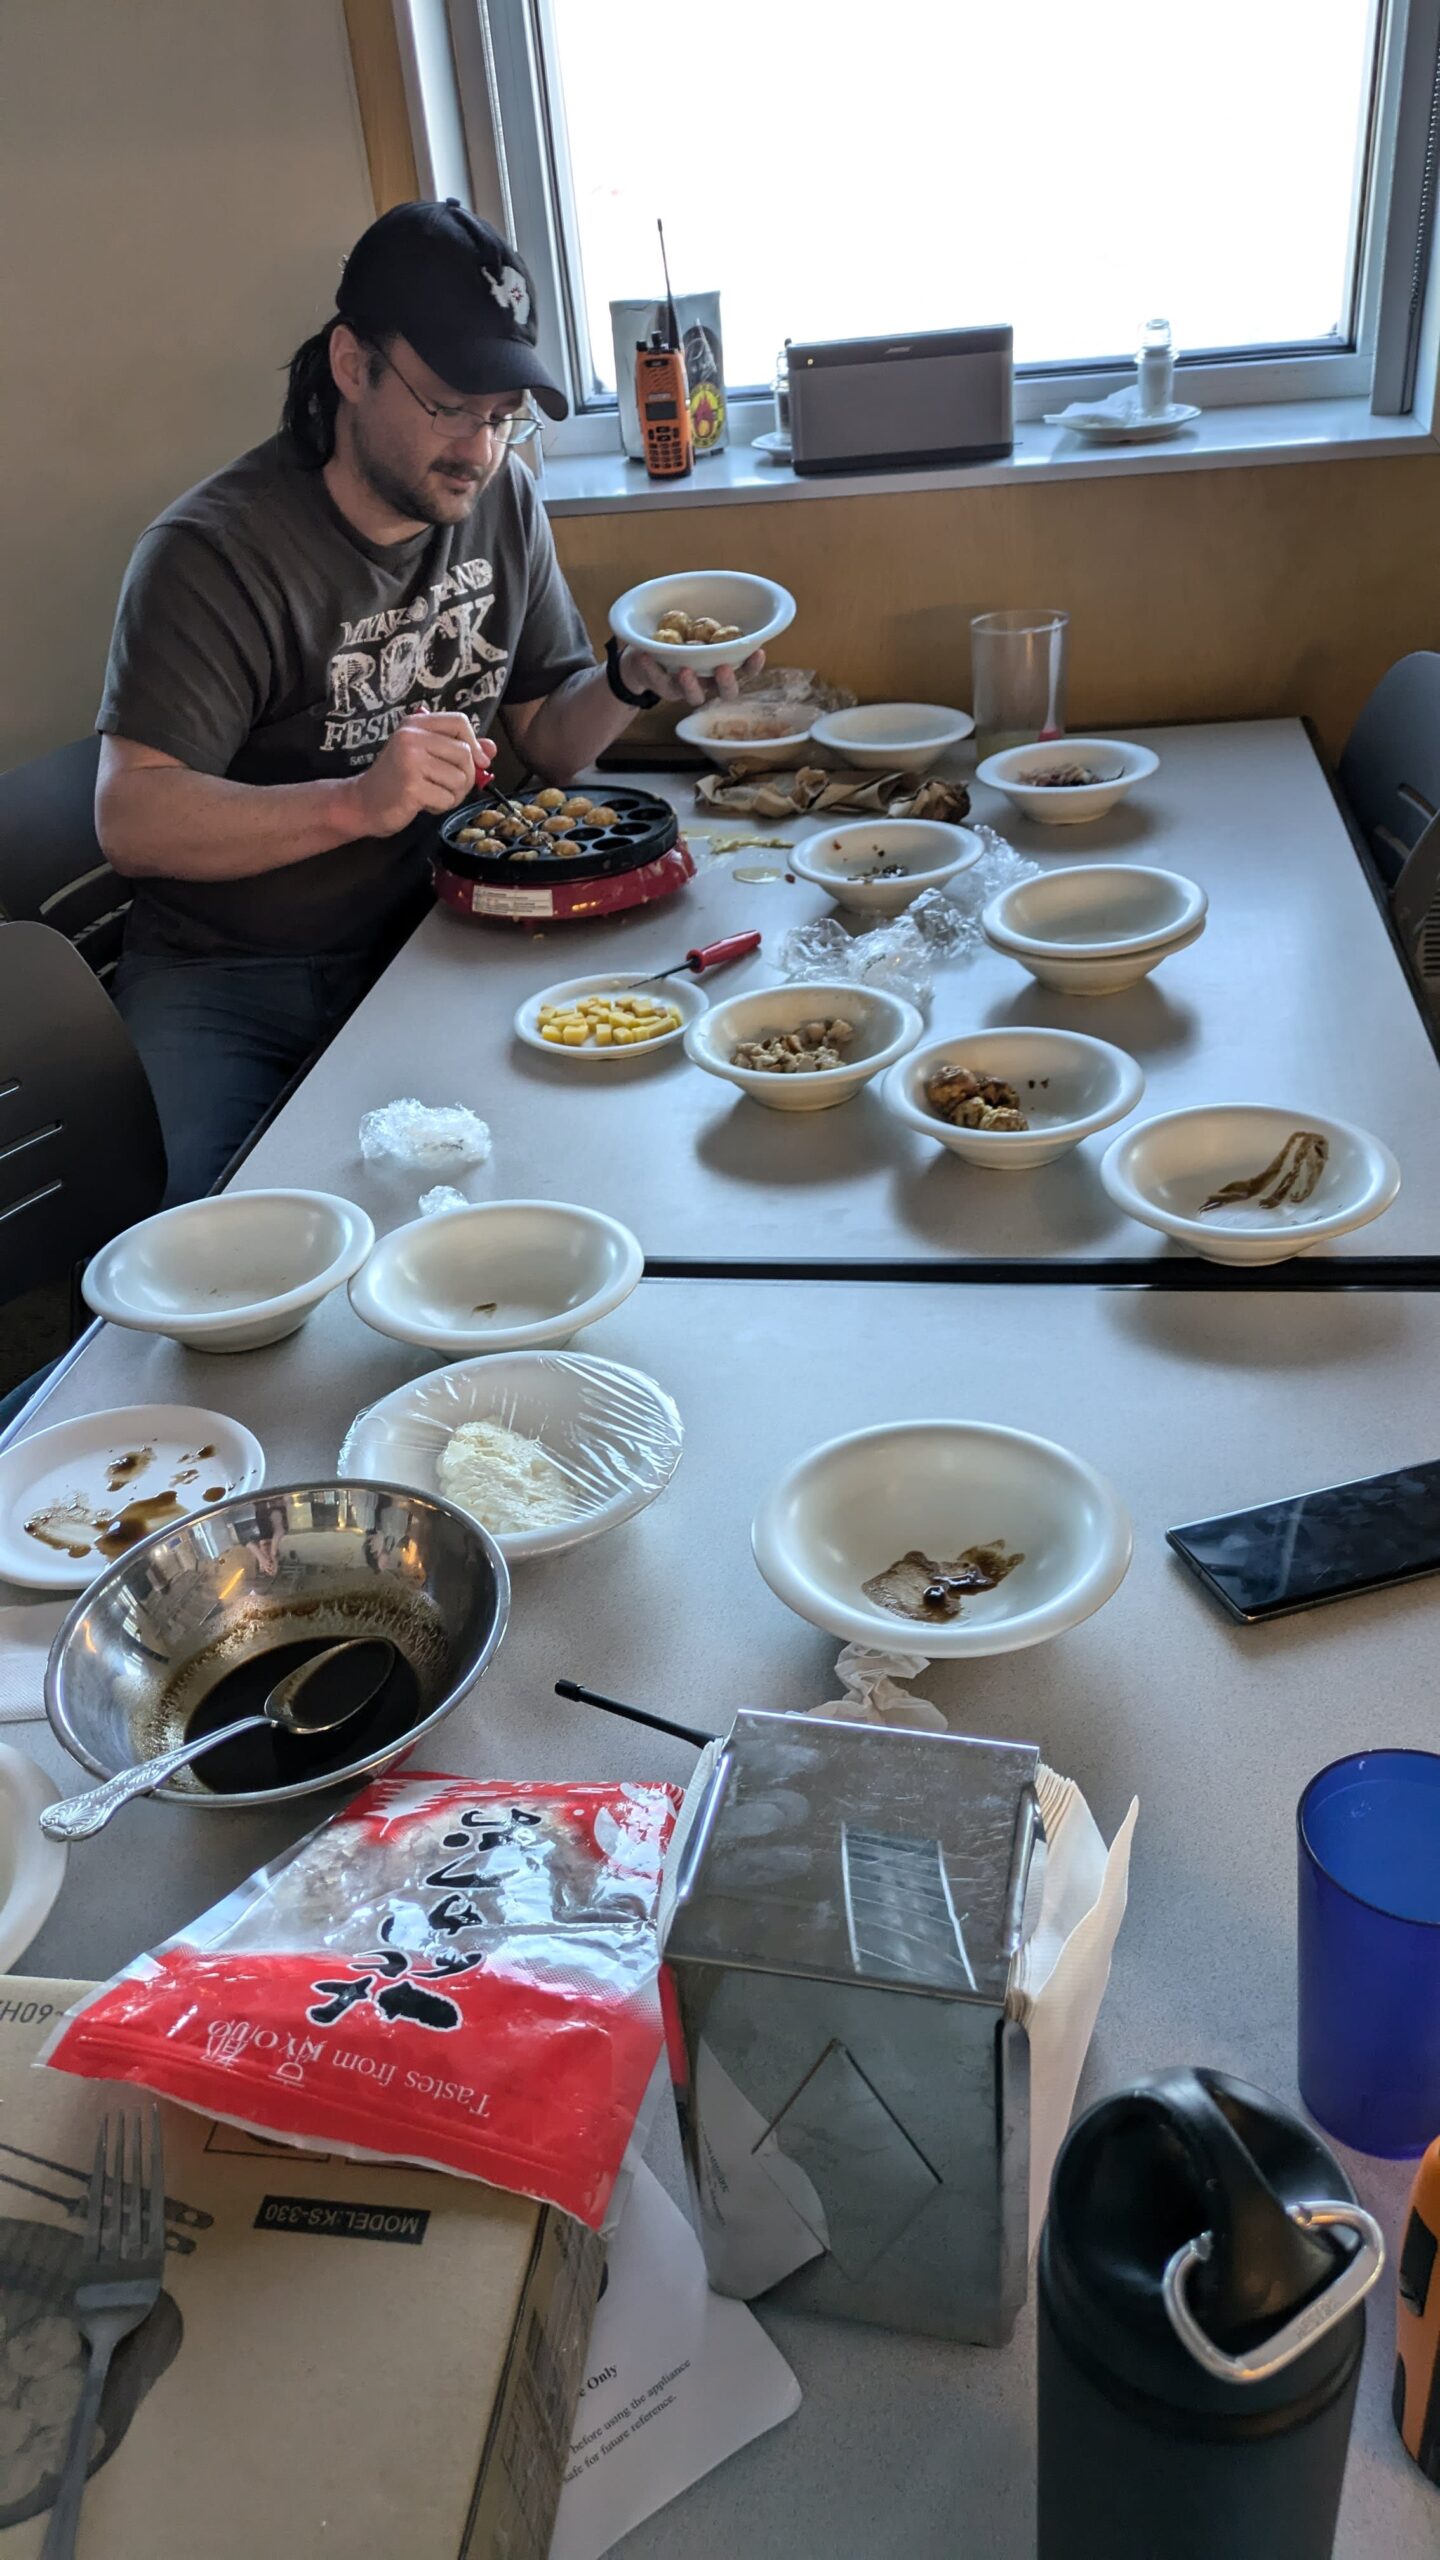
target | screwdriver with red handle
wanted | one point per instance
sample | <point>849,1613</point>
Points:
<point>710,955</point>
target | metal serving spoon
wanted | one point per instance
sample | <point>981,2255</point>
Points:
<point>316,1696</point>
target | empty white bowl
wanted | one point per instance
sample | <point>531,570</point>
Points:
<point>1069,1086</point>
<point>230,1273</point>
<point>885,1027</point>
<point>1162,1169</point>
<point>1095,927</point>
<point>616,1434</point>
<point>836,860</point>
<point>507,1275</point>
<point>908,736</point>
<point>775,754</point>
<point>850,1509</point>
<point>761,608</point>
<point>1071,804</point>
<point>32,1868</point>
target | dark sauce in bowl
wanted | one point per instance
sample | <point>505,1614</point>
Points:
<point>269,1757</point>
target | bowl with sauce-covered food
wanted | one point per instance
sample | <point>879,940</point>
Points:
<point>1065,782</point>
<point>942,1537</point>
<point>194,1628</point>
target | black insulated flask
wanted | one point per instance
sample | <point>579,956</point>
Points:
<point>1200,2329</point>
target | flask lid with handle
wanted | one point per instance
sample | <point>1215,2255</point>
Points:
<point>1207,2246</point>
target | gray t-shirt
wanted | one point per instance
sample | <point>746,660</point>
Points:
<point>259,636</point>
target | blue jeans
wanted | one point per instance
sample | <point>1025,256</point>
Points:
<point>221,1038</point>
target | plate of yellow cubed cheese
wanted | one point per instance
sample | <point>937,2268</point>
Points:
<point>616,1016</point>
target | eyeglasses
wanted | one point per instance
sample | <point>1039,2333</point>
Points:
<point>456,422</point>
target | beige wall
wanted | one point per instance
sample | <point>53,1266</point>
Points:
<point>178,181</point>
<point>1207,595</point>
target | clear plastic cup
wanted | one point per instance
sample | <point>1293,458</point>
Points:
<point>1017,677</point>
<point>1369,1950</point>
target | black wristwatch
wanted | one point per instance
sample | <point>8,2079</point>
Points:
<point>616,682</point>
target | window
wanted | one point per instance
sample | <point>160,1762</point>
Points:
<point>1257,170</point>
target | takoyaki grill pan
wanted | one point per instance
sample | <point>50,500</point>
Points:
<point>642,856</point>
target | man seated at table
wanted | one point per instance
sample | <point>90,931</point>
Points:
<point>308,649</point>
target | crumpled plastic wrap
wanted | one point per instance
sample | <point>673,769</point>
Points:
<point>793,688</point>
<point>869,1680</point>
<point>424,1134</point>
<point>894,957</point>
<point>612,1432</point>
<point>442,1196</point>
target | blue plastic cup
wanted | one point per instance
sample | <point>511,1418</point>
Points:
<point>1369,1950</point>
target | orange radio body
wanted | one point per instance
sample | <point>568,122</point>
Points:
<point>662,397</point>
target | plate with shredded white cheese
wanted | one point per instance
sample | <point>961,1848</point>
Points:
<point>543,1448</point>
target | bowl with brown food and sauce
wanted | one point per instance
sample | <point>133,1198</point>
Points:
<point>1247,1182</point>
<point>1065,782</point>
<point>942,1537</point>
<point>1011,1100</point>
<point>803,1048</point>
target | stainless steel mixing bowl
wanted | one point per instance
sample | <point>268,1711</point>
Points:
<point>150,1640</point>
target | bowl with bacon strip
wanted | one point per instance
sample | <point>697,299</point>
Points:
<point>1249,1182</point>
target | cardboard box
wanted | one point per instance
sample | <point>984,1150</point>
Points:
<point>347,2362</point>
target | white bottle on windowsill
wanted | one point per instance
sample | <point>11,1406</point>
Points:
<point>1155,368</point>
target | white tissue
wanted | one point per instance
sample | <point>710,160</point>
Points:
<point>871,1695</point>
<point>443,1196</point>
<point>424,1135</point>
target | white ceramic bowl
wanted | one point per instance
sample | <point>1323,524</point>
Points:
<point>75,1463</point>
<point>903,736</point>
<point>1075,804</point>
<point>761,608</point>
<point>835,859</point>
<point>233,1272</point>
<point>743,755</point>
<point>32,1868</point>
<point>547,1269</point>
<point>1095,927</point>
<point>849,1509</point>
<point>885,1028</point>
<point>1069,1086</point>
<point>1162,1169</point>
<point>613,1430</point>
<point>689,1001</point>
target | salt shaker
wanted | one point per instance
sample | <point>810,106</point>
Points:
<point>1155,366</point>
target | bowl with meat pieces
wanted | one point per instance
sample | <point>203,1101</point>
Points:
<point>1247,1182</point>
<point>1065,782</point>
<point>943,1537</point>
<point>703,619</point>
<point>803,1048</point>
<point>1011,1100</point>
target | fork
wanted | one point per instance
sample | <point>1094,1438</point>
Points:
<point>122,2261</point>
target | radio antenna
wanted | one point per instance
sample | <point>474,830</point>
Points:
<point>673,341</point>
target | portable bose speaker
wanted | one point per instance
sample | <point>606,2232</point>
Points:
<point>896,404</point>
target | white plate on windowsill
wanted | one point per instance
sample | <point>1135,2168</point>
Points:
<point>1138,429</point>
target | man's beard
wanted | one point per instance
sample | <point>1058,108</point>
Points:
<point>417,499</point>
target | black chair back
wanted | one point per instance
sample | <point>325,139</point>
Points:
<point>81,1155</point>
<point>52,870</point>
<point>1390,770</point>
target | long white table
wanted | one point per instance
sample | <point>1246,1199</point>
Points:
<point>1190,1402</point>
<point>1293,994</point>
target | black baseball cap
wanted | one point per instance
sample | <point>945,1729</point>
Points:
<point>445,280</point>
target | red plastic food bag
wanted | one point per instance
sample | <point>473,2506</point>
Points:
<point>458,1973</point>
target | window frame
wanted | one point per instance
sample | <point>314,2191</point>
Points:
<point>512,118</point>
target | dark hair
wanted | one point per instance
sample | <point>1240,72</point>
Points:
<point>312,397</point>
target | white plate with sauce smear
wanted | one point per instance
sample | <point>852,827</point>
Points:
<point>75,1497</point>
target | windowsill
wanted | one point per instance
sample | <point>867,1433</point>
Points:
<point>1280,431</point>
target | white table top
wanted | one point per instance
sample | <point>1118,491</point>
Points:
<point>1293,993</point>
<point>1190,1402</point>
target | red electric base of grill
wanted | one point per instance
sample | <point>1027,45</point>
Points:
<point>641,857</point>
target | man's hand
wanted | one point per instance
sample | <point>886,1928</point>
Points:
<point>432,763</point>
<point>644,674</point>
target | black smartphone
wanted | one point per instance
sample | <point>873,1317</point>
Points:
<point>1318,1546</point>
